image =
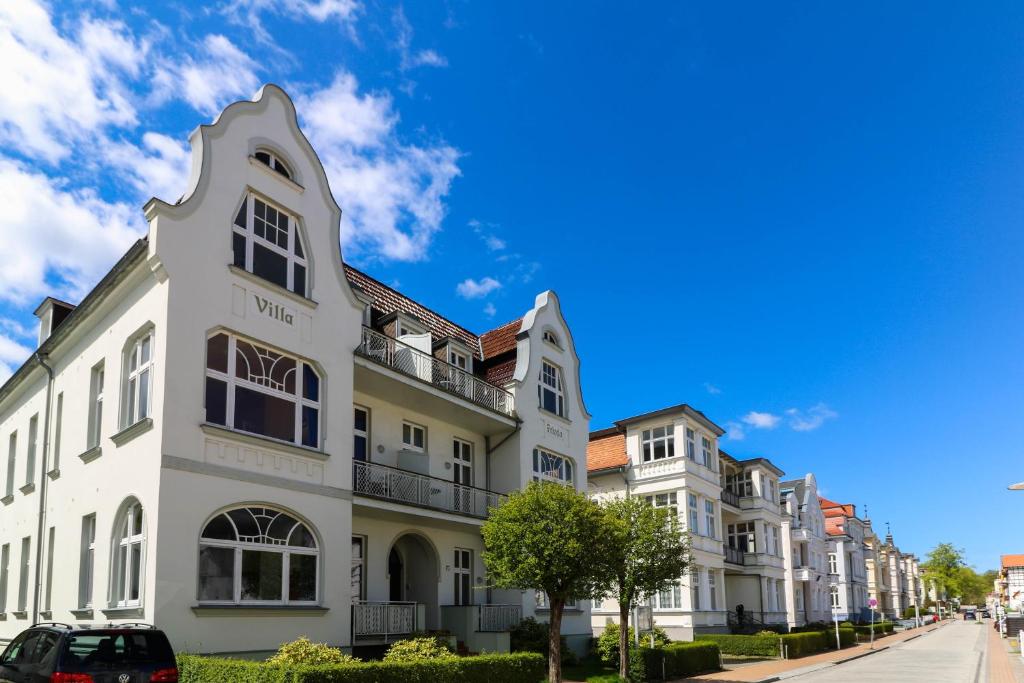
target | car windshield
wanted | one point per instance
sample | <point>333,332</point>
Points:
<point>113,649</point>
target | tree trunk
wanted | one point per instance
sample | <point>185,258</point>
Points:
<point>624,638</point>
<point>555,640</point>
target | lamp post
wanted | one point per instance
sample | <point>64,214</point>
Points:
<point>1019,486</point>
<point>834,590</point>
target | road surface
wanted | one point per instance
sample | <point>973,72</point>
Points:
<point>953,653</point>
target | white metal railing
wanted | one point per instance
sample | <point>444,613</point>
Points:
<point>402,486</point>
<point>499,618</point>
<point>383,619</point>
<point>396,355</point>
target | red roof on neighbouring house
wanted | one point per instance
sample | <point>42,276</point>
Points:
<point>606,450</point>
<point>1008,561</point>
<point>501,339</point>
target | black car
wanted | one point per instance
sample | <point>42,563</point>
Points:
<point>117,653</point>
<point>969,615</point>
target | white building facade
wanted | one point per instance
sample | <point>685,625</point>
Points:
<point>241,439</point>
<point>670,458</point>
<point>847,568</point>
<point>805,553</point>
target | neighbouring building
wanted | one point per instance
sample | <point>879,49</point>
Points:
<point>1010,583</point>
<point>242,439</point>
<point>804,552</point>
<point>879,576</point>
<point>670,457</point>
<point>755,574</point>
<point>847,569</point>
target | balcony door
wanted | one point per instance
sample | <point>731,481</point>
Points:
<point>396,576</point>
<point>462,466</point>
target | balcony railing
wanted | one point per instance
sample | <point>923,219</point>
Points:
<point>499,618</point>
<point>410,361</point>
<point>401,486</point>
<point>730,497</point>
<point>733,555</point>
<point>383,619</point>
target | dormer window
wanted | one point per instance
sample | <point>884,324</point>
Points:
<point>266,242</point>
<point>274,162</point>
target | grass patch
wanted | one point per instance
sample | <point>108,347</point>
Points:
<point>590,671</point>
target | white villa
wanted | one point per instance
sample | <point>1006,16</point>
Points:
<point>241,439</point>
<point>847,569</point>
<point>804,550</point>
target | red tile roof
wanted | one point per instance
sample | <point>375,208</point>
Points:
<point>833,509</point>
<point>834,526</point>
<point>501,373</point>
<point>388,300</point>
<point>606,450</point>
<point>501,339</point>
<point>1012,561</point>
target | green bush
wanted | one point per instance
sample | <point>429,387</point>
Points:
<point>418,649</point>
<point>674,660</point>
<point>513,668</point>
<point>532,636</point>
<point>909,613</point>
<point>608,642</point>
<point>847,636</point>
<point>880,627</point>
<point>803,644</point>
<point>760,645</point>
<point>305,652</point>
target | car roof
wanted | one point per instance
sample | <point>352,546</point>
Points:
<point>94,628</point>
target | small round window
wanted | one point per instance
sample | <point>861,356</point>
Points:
<point>274,162</point>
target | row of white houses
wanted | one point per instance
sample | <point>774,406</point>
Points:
<point>240,438</point>
<point>764,550</point>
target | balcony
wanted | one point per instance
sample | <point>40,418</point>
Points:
<point>733,555</point>
<point>730,498</point>
<point>800,534</point>
<point>386,620</point>
<point>803,574</point>
<point>409,488</point>
<point>425,368</point>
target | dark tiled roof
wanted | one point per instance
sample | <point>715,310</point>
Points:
<point>501,373</point>
<point>501,339</point>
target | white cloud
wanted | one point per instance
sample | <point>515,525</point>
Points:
<point>490,310</point>
<point>56,240</point>
<point>12,355</point>
<point>734,431</point>
<point>410,59</point>
<point>712,389</point>
<point>811,419</point>
<point>492,241</point>
<point>56,92</point>
<point>159,168</point>
<point>473,289</point>
<point>249,12</point>
<point>759,420</point>
<point>222,72</point>
<point>392,194</point>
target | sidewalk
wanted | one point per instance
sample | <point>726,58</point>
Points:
<point>1003,667</point>
<point>778,669</point>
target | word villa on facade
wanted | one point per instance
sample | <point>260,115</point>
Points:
<point>242,439</point>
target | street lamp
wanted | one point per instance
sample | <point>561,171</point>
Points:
<point>1019,486</point>
<point>834,588</point>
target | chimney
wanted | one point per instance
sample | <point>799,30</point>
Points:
<point>51,314</point>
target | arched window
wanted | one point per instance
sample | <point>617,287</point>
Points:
<point>551,338</point>
<point>254,389</point>
<point>266,242</point>
<point>258,555</point>
<point>273,161</point>
<point>129,555</point>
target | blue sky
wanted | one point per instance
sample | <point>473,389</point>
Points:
<point>803,219</point>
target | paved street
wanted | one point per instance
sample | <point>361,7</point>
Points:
<point>952,653</point>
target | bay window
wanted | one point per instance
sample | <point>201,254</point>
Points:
<point>657,443</point>
<point>709,517</point>
<point>254,389</point>
<point>258,555</point>
<point>266,242</point>
<point>664,500</point>
<point>693,517</point>
<point>691,444</point>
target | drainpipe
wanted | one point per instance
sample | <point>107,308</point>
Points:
<point>42,488</point>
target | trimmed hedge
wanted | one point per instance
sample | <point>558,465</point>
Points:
<point>517,668</point>
<point>747,646</point>
<point>678,659</point>
<point>881,628</point>
<point>803,644</point>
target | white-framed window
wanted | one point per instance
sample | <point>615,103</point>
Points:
<point>405,328</point>
<point>5,570</point>
<point>48,593</point>
<point>458,358</point>
<point>695,575</point>
<point>26,567</point>
<point>258,555</point>
<point>414,436</point>
<point>707,457</point>
<point>551,338</point>
<point>740,483</point>
<point>266,242</point>
<point>691,444</point>
<point>251,388</point>
<point>780,597</point>
<point>57,428</point>
<point>694,515</point>
<point>12,462</point>
<point>798,598</point>
<point>462,577</point>
<point>670,597</point>
<point>138,382</point>
<point>358,586</point>
<point>832,564</point>
<point>772,496</point>
<point>709,517</point>
<point>551,467</point>
<point>657,443</point>
<point>543,604</point>
<point>128,574</point>
<point>30,454</point>
<point>87,561</point>
<point>664,500</point>
<point>95,430</point>
<point>549,391</point>
<point>268,158</point>
<point>834,592</point>
<point>712,590</point>
<point>742,537</point>
<point>361,433</point>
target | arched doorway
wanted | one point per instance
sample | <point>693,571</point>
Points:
<point>413,575</point>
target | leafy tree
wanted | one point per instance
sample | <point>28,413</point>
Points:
<point>645,551</point>
<point>547,537</point>
<point>943,565</point>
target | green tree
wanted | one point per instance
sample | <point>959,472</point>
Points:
<point>547,537</point>
<point>943,565</point>
<point>644,552</point>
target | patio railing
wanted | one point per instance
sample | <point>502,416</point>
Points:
<point>499,618</point>
<point>383,619</point>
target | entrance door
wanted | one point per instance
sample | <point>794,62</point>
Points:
<point>396,577</point>
<point>462,463</point>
